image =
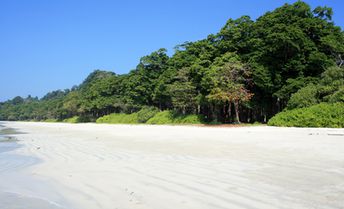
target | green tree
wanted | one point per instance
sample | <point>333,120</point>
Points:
<point>230,78</point>
<point>183,93</point>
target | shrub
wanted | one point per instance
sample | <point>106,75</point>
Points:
<point>169,117</point>
<point>164,117</point>
<point>337,96</point>
<point>146,113</point>
<point>51,120</point>
<point>119,118</point>
<point>305,97</point>
<point>320,115</point>
<point>150,115</point>
<point>187,119</point>
<point>74,119</point>
<point>330,88</point>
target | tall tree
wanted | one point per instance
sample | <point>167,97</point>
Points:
<point>230,78</point>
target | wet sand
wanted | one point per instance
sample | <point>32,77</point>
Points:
<point>19,189</point>
<point>18,201</point>
<point>91,166</point>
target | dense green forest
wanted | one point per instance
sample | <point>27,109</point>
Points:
<point>249,71</point>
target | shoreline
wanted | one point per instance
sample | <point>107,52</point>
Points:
<point>241,125</point>
<point>19,201</point>
<point>20,191</point>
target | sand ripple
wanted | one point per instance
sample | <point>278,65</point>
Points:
<point>162,167</point>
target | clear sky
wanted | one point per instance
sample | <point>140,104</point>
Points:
<point>55,44</point>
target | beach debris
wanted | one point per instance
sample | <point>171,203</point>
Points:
<point>313,134</point>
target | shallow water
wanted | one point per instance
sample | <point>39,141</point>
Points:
<point>7,143</point>
<point>8,131</point>
<point>10,166</point>
<point>17,201</point>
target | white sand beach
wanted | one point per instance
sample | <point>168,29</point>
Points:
<point>92,166</point>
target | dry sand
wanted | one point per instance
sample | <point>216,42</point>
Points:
<point>90,166</point>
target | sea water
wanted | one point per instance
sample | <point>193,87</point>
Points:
<point>7,143</point>
<point>17,201</point>
<point>11,181</point>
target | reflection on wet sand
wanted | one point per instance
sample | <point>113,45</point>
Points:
<point>19,190</point>
<point>17,201</point>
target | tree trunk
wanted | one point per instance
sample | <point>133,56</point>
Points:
<point>224,113</point>
<point>249,114</point>
<point>341,61</point>
<point>230,111</point>
<point>213,115</point>
<point>236,107</point>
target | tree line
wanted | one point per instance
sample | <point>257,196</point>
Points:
<point>246,72</point>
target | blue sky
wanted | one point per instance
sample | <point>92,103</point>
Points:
<point>55,44</point>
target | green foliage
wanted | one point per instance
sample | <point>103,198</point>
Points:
<point>164,117</point>
<point>76,119</point>
<point>337,96</point>
<point>332,83</point>
<point>320,115</point>
<point>182,92</point>
<point>169,117</point>
<point>330,88</point>
<point>51,120</point>
<point>141,116</point>
<point>305,97</point>
<point>230,77</point>
<point>293,85</point>
<point>188,119</point>
<point>146,113</point>
<point>141,82</point>
<point>119,118</point>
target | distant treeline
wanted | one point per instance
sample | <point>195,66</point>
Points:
<point>250,70</point>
